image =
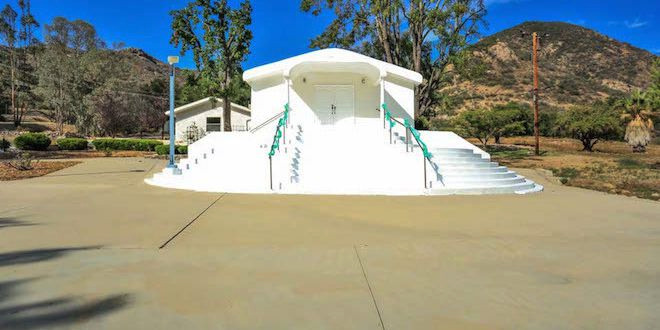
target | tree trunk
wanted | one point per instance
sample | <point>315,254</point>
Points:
<point>588,145</point>
<point>13,90</point>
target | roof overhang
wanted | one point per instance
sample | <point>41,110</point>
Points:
<point>209,100</point>
<point>331,60</point>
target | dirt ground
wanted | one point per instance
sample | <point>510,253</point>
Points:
<point>612,168</point>
<point>93,247</point>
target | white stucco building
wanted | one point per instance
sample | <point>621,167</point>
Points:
<point>207,115</point>
<point>336,122</point>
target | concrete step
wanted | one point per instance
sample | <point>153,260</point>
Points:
<point>479,175</point>
<point>457,156</point>
<point>456,160</point>
<point>474,170</point>
<point>468,165</point>
<point>482,182</point>
<point>450,151</point>
<point>526,185</point>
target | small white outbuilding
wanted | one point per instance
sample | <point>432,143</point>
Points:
<point>205,116</point>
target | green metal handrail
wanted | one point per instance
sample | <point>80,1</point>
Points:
<point>278,131</point>
<point>417,136</point>
<point>410,128</point>
<point>388,115</point>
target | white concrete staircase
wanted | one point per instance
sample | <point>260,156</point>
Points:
<point>340,160</point>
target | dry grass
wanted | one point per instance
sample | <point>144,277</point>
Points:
<point>8,173</point>
<point>611,168</point>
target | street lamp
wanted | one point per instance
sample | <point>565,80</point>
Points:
<point>172,60</point>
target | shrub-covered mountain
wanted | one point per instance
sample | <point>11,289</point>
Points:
<point>576,66</point>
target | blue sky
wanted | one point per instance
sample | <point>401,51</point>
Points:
<point>282,30</point>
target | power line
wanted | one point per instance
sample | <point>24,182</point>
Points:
<point>83,86</point>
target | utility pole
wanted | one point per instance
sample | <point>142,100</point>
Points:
<point>535,92</point>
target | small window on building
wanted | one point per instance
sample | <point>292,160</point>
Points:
<point>213,124</point>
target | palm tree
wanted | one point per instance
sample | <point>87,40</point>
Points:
<point>637,111</point>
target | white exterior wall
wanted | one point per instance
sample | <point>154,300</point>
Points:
<point>270,95</point>
<point>400,98</point>
<point>198,116</point>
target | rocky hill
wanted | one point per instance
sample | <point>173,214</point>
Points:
<point>145,67</point>
<point>576,66</point>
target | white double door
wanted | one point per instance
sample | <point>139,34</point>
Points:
<point>335,104</point>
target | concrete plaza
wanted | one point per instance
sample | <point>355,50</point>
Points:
<point>93,247</point>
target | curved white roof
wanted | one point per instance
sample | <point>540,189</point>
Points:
<point>325,57</point>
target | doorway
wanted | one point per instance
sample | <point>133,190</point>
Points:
<point>334,104</point>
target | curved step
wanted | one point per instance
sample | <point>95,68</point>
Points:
<point>450,151</point>
<point>482,182</point>
<point>461,160</point>
<point>457,156</point>
<point>479,175</point>
<point>526,185</point>
<point>459,165</point>
<point>459,171</point>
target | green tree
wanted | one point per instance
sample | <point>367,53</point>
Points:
<point>427,36</point>
<point>219,38</point>
<point>72,65</point>
<point>17,33</point>
<point>486,124</point>
<point>513,119</point>
<point>637,110</point>
<point>590,124</point>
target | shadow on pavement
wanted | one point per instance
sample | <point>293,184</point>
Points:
<point>29,256</point>
<point>69,310</point>
<point>9,222</point>
<point>53,312</point>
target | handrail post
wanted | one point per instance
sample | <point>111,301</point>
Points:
<point>407,139</point>
<point>390,134</point>
<point>270,160</point>
<point>424,161</point>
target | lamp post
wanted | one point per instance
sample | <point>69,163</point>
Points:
<point>172,60</point>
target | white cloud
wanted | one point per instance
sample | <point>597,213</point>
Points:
<point>635,24</point>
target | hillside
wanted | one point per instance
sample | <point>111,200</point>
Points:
<point>576,66</point>
<point>145,68</point>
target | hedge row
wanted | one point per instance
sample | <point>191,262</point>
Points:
<point>72,144</point>
<point>126,144</point>
<point>32,141</point>
<point>165,149</point>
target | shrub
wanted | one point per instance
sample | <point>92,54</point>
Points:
<point>23,162</point>
<point>32,141</point>
<point>126,144</point>
<point>72,144</point>
<point>164,149</point>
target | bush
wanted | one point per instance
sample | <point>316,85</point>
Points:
<point>164,149</point>
<point>72,144</point>
<point>32,141</point>
<point>126,144</point>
